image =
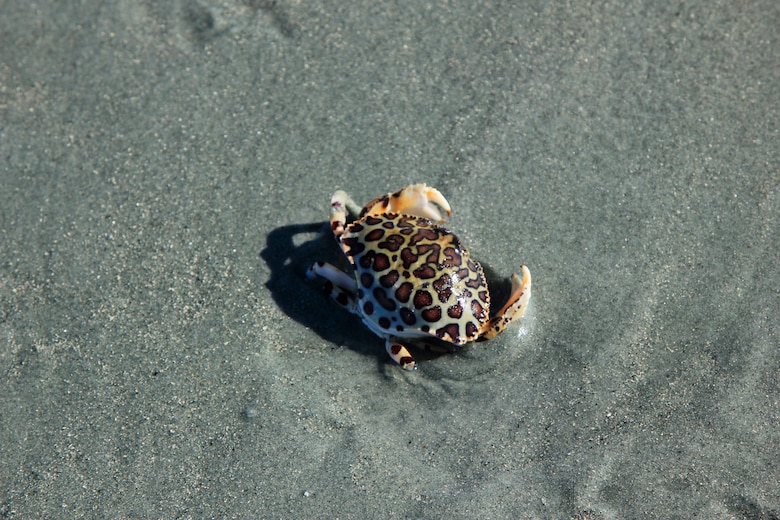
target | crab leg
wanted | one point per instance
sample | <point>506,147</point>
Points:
<point>400,354</point>
<point>340,204</point>
<point>414,199</point>
<point>340,285</point>
<point>514,308</point>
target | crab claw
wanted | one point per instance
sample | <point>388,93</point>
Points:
<point>416,199</point>
<point>435,196</point>
<point>514,309</point>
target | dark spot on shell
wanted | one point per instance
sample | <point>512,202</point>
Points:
<point>422,299</point>
<point>471,329</point>
<point>455,311</point>
<point>389,279</point>
<point>452,257</point>
<point>399,328</point>
<point>392,242</point>
<point>406,227</point>
<point>423,234</point>
<point>367,280</point>
<point>424,272</point>
<point>477,311</point>
<point>403,292</point>
<point>475,283</point>
<point>425,328</point>
<point>368,308</point>
<point>374,235</point>
<point>384,323</point>
<point>381,298</point>
<point>356,227</point>
<point>432,250</point>
<point>433,314</point>
<point>448,332</point>
<point>408,257</point>
<point>388,224</point>
<point>381,262</point>
<point>355,245</point>
<point>373,221</point>
<point>443,288</point>
<point>408,316</point>
<point>366,260</point>
<point>483,295</point>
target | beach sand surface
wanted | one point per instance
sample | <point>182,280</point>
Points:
<point>165,177</point>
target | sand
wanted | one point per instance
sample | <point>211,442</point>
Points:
<point>165,175</point>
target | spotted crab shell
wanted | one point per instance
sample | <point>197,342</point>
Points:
<point>415,279</point>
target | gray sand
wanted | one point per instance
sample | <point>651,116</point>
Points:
<point>166,169</point>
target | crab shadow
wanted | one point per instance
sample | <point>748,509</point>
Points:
<point>289,252</point>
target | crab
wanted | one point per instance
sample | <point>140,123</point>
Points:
<point>412,281</point>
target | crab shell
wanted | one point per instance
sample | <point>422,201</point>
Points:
<point>416,280</point>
